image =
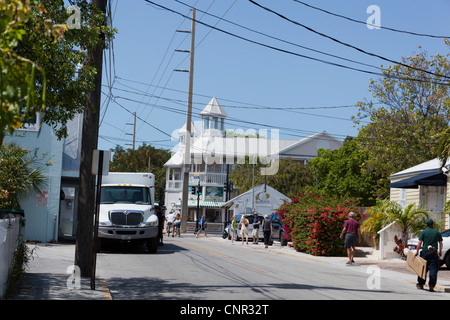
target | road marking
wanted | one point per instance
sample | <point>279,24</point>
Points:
<point>249,266</point>
<point>104,289</point>
<point>214,253</point>
<point>220,255</point>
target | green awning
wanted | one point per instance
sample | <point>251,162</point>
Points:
<point>202,204</point>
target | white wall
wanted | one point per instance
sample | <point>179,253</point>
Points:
<point>9,234</point>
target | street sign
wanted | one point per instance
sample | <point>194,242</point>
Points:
<point>106,158</point>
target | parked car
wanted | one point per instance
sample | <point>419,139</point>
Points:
<point>445,258</point>
<point>277,226</point>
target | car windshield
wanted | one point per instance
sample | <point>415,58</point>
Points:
<point>124,194</point>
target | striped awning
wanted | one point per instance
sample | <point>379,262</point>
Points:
<point>202,204</point>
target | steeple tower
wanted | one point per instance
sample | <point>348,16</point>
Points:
<point>213,117</point>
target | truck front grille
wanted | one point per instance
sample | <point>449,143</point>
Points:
<point>126,218</point>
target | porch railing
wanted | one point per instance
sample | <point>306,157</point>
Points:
<point>205,178</point>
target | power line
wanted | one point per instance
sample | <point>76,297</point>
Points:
<point>312,58</point>
<point>344,43</point>
<point>269,46</point>
<point>284,41</point>
<point>365,23</point>
<point>249,105</point>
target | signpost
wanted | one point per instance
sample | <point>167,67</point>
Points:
<point>100,167</point>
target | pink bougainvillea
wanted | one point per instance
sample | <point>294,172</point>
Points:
<point>314,222</point>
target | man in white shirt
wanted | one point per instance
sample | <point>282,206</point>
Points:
<point>170,219</point>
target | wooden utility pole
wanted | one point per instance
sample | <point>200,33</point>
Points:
<point>86,190</point>
<point>187,140</point>
<point>134,130</point>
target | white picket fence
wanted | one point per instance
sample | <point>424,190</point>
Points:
<point>9,234</point>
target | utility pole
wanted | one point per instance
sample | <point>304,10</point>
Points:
<point>187,140</point>
<point>86,195</point>
<point>134,130</point>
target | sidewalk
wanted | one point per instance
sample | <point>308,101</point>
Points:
<point>47,278</point>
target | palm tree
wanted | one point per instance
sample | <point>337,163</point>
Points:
<point>386,212</point>
<point>407,218</point>
<point>18,175</point>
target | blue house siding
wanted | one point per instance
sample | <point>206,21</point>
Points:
<point>42,212</point>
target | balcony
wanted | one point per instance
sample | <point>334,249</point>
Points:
<point>205,179</point>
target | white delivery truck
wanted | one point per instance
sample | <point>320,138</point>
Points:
<point>127,211</point>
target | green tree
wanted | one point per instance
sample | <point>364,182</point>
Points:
<point>68,72</point>
<point>18,90</point>
<point>341,172</point>
<point>139,160</point>
<point>414,109</point>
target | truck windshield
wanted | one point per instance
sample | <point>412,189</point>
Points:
<point>124,194</point>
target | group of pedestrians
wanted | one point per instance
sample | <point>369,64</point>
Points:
<point>172,223</point>
<point>243,224</point>
<point>429,247</point>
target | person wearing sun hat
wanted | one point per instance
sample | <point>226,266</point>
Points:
<point>429,239</point>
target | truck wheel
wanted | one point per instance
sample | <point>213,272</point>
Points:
<point>152,245</point>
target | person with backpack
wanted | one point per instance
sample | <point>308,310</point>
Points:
<point>267,230</point>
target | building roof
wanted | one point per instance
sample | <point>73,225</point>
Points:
<point>218,147</point>
<point>430,166</point>
<point>213,108</point>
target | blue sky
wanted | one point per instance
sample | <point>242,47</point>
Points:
<point>243,76</point>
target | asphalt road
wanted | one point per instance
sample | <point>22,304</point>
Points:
<point>211,268</point>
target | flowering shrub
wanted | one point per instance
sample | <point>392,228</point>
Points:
<point>313,223</point>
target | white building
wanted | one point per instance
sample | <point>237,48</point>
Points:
<point>263,199</point>
<point>426,185</point>
<point>213,156</point>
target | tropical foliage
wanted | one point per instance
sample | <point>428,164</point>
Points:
<point>411,107</point>
<point>342,173</point>
<point>313,223</point>
<point>63,56</point>
<point>411,219</point>
<point>18,98</point>
<point>20,173</point>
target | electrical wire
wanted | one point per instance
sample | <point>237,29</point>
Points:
<point>309,57</point>
<point>344,43</point>
<point>377,26</point>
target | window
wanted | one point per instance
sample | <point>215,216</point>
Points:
<point>122,194</point>
<point>33,125</point>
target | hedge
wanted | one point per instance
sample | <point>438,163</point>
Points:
<point>314,222</point>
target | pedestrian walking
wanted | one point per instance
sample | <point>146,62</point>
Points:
<point>429,239</point>
<point>256,223</point>
<point>170,219</point>
<point>161,218</point>
<point>352,236</point>
<point>177,224</point>
<point>202,225</point>
<point>244,223</point>
<point>267,230</point>
<point>233,226</point>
